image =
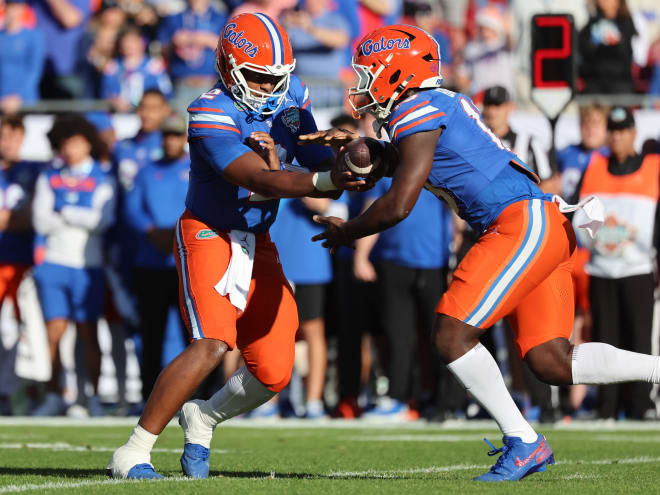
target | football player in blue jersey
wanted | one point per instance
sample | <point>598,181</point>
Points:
<point>520,268</point>
<point>232,288</point>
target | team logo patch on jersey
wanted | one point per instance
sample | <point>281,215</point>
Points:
<point>291,118</point>
<point>237,39</point>
<point>371,46</point>
<point>206,234</point>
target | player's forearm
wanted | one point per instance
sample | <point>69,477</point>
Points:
<point>65,13</point>
<point>282,184</point>
<point>5,216</point>
<point>378,6</point>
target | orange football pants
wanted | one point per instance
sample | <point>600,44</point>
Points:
<point>519,269</point>
<point>265,331</point>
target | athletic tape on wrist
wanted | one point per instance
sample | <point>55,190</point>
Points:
<point>323,181</point>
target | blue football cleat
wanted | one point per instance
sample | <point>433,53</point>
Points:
<point>518,459</point>
<point>195,460</point>
<point>143,472</point>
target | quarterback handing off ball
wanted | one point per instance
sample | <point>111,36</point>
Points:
<point>367,158</point>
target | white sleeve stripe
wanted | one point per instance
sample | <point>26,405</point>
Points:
<point>210,117</point>
<point>306,95</point>
<point>414,115</point>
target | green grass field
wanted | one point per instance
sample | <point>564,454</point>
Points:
<point>66,458</point>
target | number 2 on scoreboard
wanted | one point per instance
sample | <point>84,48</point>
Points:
<point>552,53</point>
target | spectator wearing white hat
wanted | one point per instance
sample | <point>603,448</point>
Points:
<point>488,59</point>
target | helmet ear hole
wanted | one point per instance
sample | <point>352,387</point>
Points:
<point>395,77</point>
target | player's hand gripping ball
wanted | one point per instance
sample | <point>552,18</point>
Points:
<point>366,158</point>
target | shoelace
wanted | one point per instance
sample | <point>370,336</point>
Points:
<point>503,449</point>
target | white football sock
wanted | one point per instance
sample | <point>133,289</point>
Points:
<point>478,373</point>
<point>137,450</point>
<point>141,440</point>
<point>595,363</point>
<point>242,393</point>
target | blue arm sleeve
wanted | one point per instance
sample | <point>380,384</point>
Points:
<point>218,150</point>
<point>425,118</point>
<point>134,213</point>
<point>310,155</point>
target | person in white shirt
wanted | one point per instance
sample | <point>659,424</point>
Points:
<point>74,204</point>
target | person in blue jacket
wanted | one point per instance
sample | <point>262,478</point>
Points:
<point>189,39</point>
<point>132,154</point>
<point>133,71</point>
<point>17,178</point>
<point>151,210</point>
<point>21,59</point>
<point>409,263</point>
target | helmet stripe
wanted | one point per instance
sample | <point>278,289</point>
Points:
<point>278,54</point>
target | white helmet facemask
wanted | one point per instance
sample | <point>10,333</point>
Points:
<point>362,97</point>
<point>259,101</point>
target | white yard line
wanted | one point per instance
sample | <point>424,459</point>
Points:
<point>67,447</point>
<point>61,485</point>
<point>461,467</point>
<point>627,438</point>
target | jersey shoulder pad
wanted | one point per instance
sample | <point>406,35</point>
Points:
<point>422,111</point>
<point>215,112</point>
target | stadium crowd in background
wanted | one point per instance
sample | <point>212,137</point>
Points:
<point>104,210</point>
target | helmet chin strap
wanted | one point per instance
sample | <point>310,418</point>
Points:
<point>272,104</point>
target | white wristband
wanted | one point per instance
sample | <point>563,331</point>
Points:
<point>323,181</point>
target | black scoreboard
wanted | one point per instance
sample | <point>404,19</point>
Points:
<point>553,62</point>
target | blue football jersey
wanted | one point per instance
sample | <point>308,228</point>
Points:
<point>472,170</point>
<point>217,130</point>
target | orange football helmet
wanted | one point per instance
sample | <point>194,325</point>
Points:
<point>257,43</point>
<point>389,61</point>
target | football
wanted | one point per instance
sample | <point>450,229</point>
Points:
<point>365,157</point>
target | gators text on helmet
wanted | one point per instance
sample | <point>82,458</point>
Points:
<point>257,43</point>
<point>389,61</point>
